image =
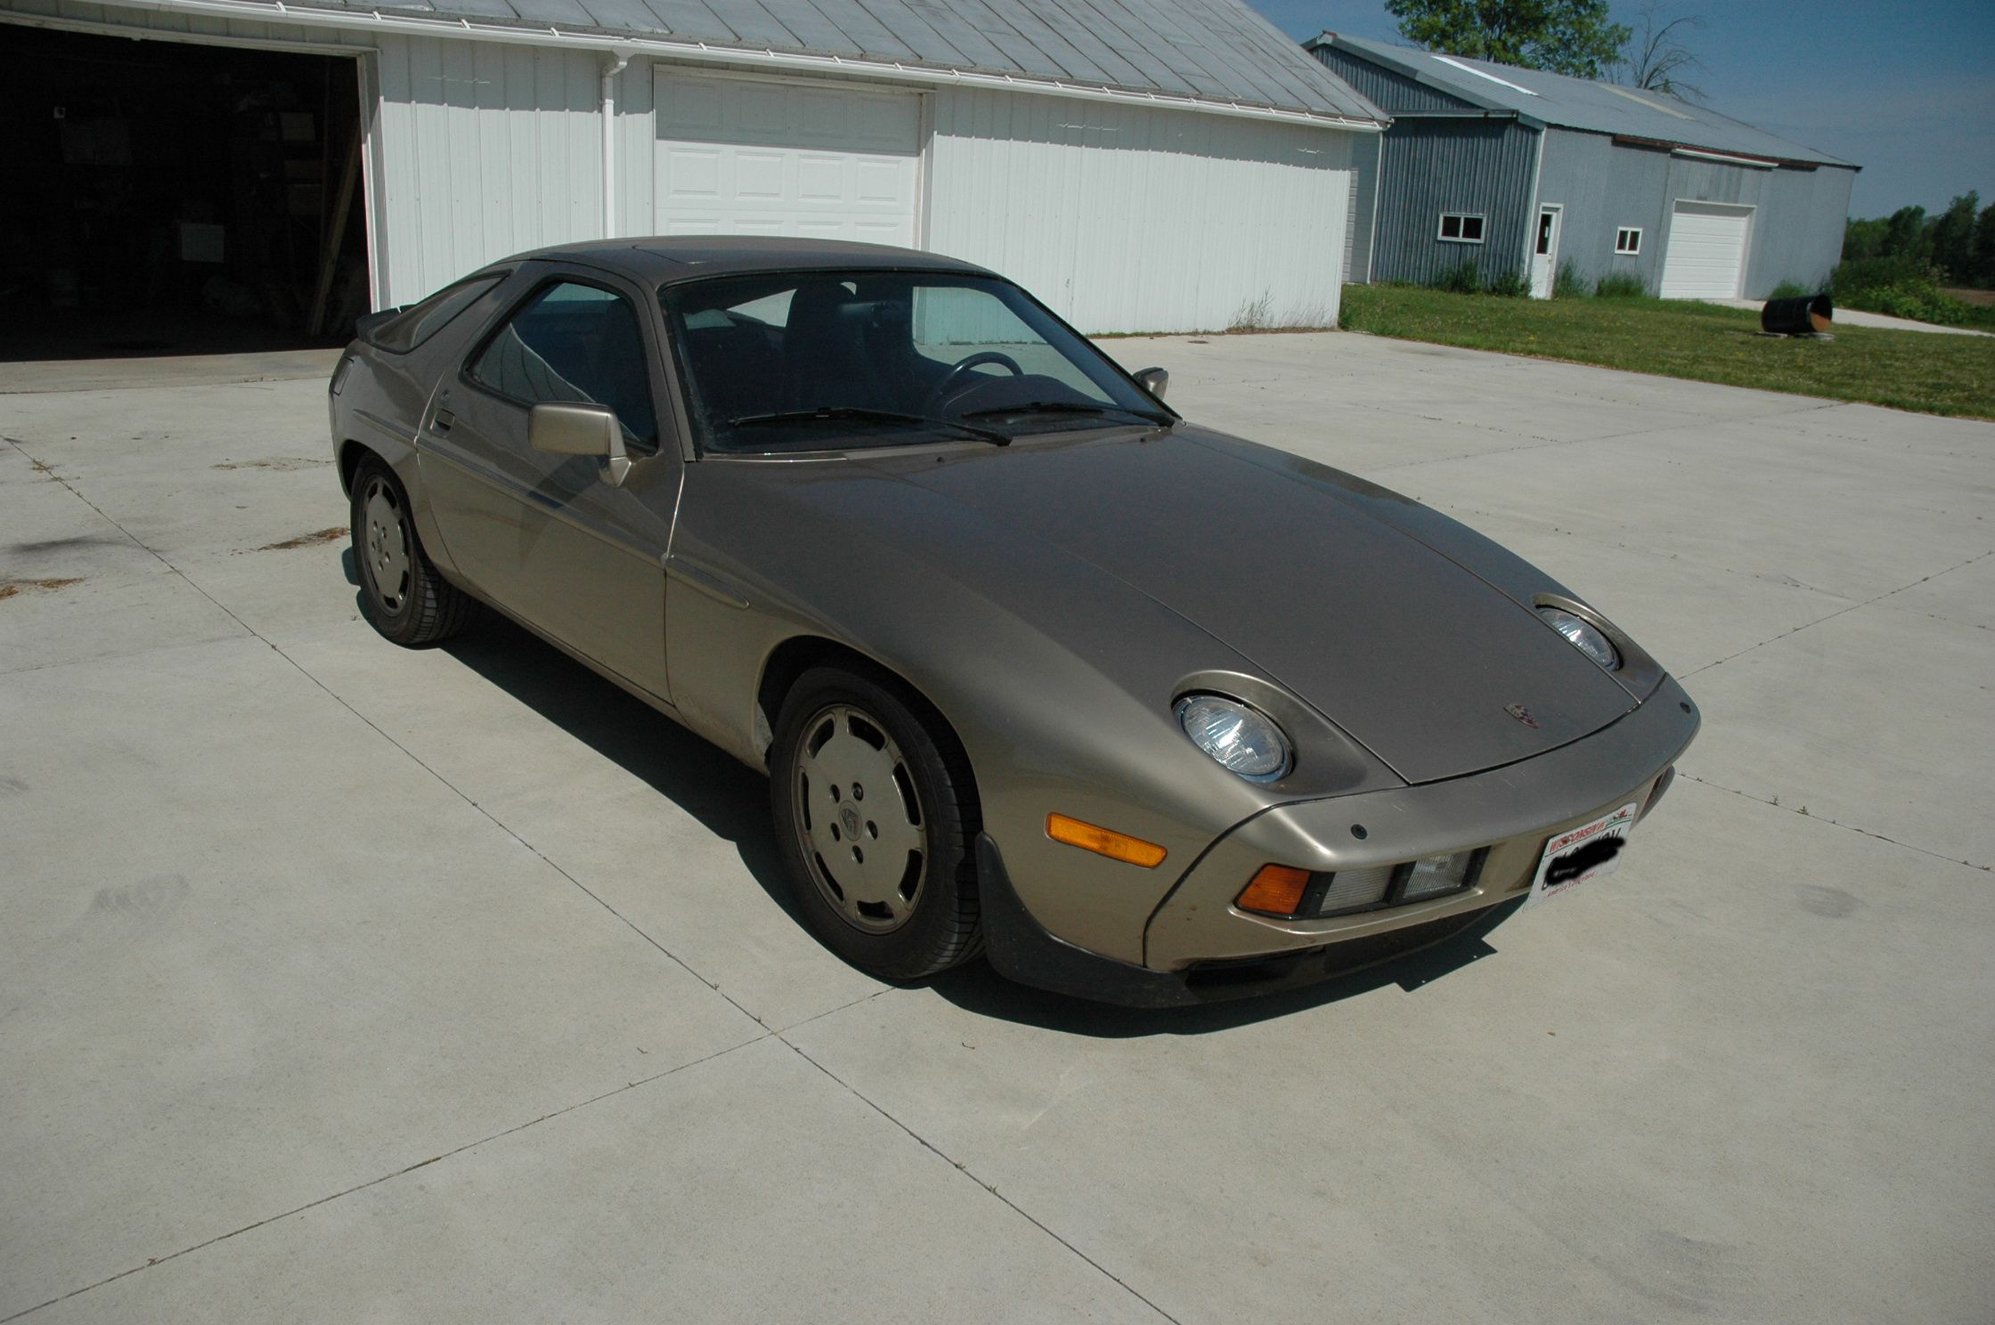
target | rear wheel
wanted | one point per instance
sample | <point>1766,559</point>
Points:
<point>401,594</point>
<point>875,823</point>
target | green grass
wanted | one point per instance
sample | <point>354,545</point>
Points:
<point>1912,370</point>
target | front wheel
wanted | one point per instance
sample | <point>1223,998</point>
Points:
<point>401,594</point>
<point>875,825</point>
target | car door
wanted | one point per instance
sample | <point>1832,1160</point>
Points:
<point>549,538</point>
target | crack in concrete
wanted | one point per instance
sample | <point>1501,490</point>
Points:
<point>410,754</point>
<point>1541,443</point>
<point>1809,625</point>
<point>130,537</point>
<point>963,1167</point>
<point>1942,574</point>
<point>1802,813</point>
<point>387,1177</point>
<point>1941,616</point>
<point>799,1024</point>
<point>1783,581</point>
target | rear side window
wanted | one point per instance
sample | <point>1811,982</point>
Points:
<point>577,343</point>
<point>418,324</point>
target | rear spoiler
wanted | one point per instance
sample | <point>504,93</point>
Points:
<point>367,324</point>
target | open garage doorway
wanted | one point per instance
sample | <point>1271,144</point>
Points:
<point>168,197</point>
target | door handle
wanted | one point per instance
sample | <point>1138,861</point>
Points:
<point>444,418</point>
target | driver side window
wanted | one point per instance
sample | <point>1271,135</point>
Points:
<point>577,343</point>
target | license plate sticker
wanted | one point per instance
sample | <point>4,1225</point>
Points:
<point>1579,855</point>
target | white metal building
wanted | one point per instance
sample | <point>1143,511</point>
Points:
<point>1142,165</point>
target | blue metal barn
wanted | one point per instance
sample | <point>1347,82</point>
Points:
<point>1523,171</point>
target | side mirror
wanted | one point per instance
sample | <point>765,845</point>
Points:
<point>1153,380</point>
<point>564,429</point>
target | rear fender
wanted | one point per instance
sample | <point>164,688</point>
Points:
<point>366,417</point>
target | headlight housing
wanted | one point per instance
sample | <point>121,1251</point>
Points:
<point>1241,738</point>
<point>1583,635</point>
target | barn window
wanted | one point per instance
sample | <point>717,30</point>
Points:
<point>1461,227</point>
<point>1628,240</point>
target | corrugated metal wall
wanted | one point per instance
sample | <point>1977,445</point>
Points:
<point>1129,219</point>
<point>1398,94</point>
<point>1121,218</point>
<point>1366,156</point>
<point>1805,242</point>
<point>1482,167</point>
<point>1602,189</point>
<point>636,148</point>
<point>485,150</point>
<point>1797,228</point>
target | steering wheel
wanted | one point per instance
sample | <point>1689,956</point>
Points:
<point>963,368</point>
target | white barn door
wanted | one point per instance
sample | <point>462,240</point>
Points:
<point>755,156</point>
<point>1706,257</point>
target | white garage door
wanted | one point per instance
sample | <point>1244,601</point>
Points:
<point>1707,251</point>
<point>767,157</point>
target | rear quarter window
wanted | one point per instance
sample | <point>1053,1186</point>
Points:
<point>573,342</point>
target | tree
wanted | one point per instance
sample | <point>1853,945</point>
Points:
<point>1984,249</point>
<point>1953,238</point>
<point>1864,239</point>
<point>1905,234</point>
<point>1957,245</point>
<point>1656,59</point>
<point>1564,36</point>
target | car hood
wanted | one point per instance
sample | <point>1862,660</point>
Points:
<point>1338,590</point>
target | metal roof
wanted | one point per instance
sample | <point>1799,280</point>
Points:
<point>1577,103</point>
<point>1211,51</point>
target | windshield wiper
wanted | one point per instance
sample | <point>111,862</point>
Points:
<point>860,414</point>
<point>1067,407</point>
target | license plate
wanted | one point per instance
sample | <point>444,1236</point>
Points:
<point>1590,851</point>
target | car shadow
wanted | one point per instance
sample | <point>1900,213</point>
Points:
<point>728,798</point>
<point>977,988</point>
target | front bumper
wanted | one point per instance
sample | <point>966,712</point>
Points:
<point>1196,936</point>
<point>1019,949</point>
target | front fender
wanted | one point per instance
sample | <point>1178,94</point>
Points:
<point>1057,679</point>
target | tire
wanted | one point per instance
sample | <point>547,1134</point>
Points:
<point>855,770</point>
<point>401,594</point>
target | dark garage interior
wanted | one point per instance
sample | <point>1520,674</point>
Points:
<point>170,198</point>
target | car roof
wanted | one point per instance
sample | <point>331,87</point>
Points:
<point>667,259</point>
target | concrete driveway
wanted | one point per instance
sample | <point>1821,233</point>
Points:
<point>341,982</point>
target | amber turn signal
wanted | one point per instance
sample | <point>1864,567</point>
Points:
<point>1276,890</point>
<point>1104,841</point>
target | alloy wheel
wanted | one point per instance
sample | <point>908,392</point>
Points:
<point>863,833</point>
<point>385,547</point>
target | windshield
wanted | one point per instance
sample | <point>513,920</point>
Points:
<point>807,361</point>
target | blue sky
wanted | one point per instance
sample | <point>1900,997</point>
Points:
<point>1905,91</point>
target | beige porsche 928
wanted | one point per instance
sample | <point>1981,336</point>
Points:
<point>1140,711</point>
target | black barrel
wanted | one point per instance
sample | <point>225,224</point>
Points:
<point>1797,317</point>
